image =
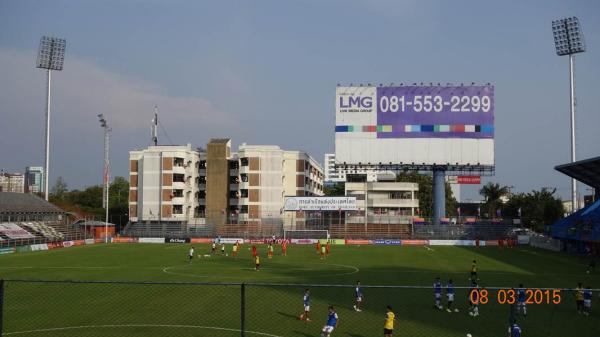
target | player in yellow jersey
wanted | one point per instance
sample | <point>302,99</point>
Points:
<point>579,298</point>
<point>388,327</point>
<point>257,262</point>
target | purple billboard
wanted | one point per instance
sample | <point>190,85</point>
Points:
<point>435,112</point>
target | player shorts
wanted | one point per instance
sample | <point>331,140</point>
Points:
<point>521,304</point>
<point>328,329</point>
<point>438,296</point>
<point>587,303</point>
<point>387,331</point>
<point>450,297</point>
<point>307,308</point>
<point>358,298</point>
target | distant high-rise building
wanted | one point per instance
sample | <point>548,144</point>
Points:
<point>34,179</point>
<point>12,182</point>
<point>339,175</point>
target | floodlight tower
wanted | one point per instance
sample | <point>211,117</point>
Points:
<point>106,176</point>
<point>51,56</point>
<point>568,40</point>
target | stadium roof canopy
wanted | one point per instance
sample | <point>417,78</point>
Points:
<point>11,202</point>
<point>587,171</point>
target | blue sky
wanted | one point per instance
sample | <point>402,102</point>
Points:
<point>264,72</point>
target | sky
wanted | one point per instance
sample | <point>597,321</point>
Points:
<point>265,72</point>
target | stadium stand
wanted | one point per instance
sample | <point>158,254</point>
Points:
<point>29,213</point>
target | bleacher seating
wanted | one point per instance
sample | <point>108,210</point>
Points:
<point>42,229</point>
<point>370,231</point>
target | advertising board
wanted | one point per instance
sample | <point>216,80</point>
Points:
<point>415,124</point>
<point>8,250</point>
<point>319,204</point>
<point>201,240</point>
<point>304,241</point>
<point>151,240</point>
<point>41,246</point>
<point>358,242</point>
<point>452,242</point>
<point>333,241</point>
<point>177,240</point>
<point>387,242</point>
<point>231,240</point>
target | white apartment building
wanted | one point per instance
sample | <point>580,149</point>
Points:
<point>163,184</point>
<point>34,179</point>
<point>217,185</point>
<point>386,202</point>
<point>12,182</point>
<point>336,175</point>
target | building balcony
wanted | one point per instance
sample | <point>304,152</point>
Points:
<point>234,187</point>
<point>178,200</point>
<point>179,169</point>
<point>179,185</point>
<point>409,203</point>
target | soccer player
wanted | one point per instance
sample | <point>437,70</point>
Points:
<point>587,301</point>
<point>521,303</point>
<point>191,254</point>
<point>437,292</point>
<point>318,247</point>
<point>257,263</point>
<point>328,248</point>
<point>359,296</point>
<point>332,320</point>
<point>284,248</point>
<point>450,296</point>
<point>214,247</point>
<point>222,249</point>
<point>514,330</point>
<point>474,270</point>
<point>270,251</point>
<point>306,300</point>
<point>253,251</point>
<point>322,252</point>
<point>579,298</point>
<point>388,327</point>
<point>235,249</point>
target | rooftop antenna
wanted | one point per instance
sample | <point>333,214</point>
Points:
<point>154,128</point>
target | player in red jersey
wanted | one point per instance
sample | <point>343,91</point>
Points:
<point>284,248</point>
<point>253,251</point>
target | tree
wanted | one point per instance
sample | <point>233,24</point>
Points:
<point>535,209</point>
<point>335,190</point>
<point>425,193</point>
<point>493,193</point>
<point>59,190</point>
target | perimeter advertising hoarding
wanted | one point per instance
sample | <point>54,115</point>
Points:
<point>415,124</point>
<point>320,204</point>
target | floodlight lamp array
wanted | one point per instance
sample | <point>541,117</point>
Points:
<point>568,37</point>
<point>51,54</point>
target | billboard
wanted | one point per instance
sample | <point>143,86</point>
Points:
<point>431,125</point>
<point>464,180</point>
<point>320,204</point>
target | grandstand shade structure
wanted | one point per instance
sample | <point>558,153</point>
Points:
<point>586,171</point>
<point>22,206</point>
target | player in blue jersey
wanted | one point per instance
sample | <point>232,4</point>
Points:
<point>514,330</point>
<point>450,296</point>
<point>587,301</point>
<point>306,299</point>
<point>437,292</point>
<point>332,321</point>
<point>359,296</point>
<point>521,303</point>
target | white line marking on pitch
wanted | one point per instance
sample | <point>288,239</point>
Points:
<point>139,326</point>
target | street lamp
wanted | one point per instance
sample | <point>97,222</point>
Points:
<point>568,40</point>
<point>106,176</point>
<point>51,56</point>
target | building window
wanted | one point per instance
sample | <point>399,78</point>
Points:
<point>202,164</point>
<point>234,164</point>
<point>178,162</point>
<point>201,194</point>
<point>244,177</point>
<point>178,178</point>
<point>234,180</point>
<point>233,194</point>
<point>244,161</point>
<point>400,195</point>
<point>202,179</point>
<point>177,209</point>
<point>244,193</point>
<point>244,209</point>
<point>177,193</point>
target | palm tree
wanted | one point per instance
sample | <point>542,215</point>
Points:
<point>493,193</point>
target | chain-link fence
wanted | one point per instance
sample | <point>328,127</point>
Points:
<point>89,308</point>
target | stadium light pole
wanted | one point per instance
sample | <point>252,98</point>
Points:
<point>568,40</point>
<point>51,56</point>
<point>106,175</point>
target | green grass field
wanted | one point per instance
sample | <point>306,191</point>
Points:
<point>120,309</point>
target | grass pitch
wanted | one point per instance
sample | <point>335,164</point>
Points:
<point>122,309</point>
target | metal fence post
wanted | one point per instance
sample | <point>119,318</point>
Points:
<point>242,311</point>
<point>1,305</point>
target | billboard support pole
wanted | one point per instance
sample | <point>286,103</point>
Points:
<point>439,194</point>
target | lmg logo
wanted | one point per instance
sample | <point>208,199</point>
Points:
<point>356,102</point>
